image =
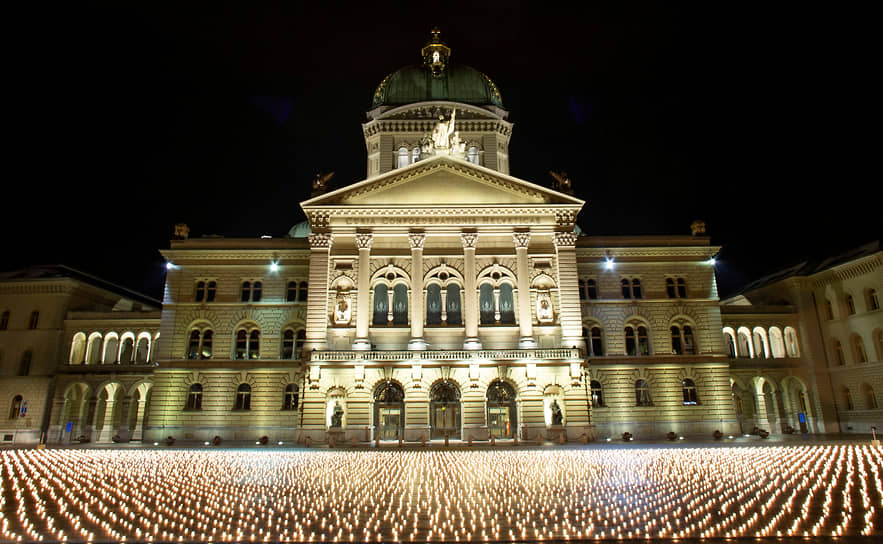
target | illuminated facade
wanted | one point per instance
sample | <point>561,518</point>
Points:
<point>443,297</point>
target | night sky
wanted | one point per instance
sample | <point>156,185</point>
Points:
<point>127,120</point>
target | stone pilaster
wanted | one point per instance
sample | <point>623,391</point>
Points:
<point>417,342</point>
<point>138,430</point>
<point>525,318</point>
<point>470,297</point>
<point>569,312</point>
<point>363,292</point>
<point>317,299</point>
<point>106,432</point>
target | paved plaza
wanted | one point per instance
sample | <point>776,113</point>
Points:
<point>503,495</point>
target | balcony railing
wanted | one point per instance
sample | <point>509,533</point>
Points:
<point>553,354</point>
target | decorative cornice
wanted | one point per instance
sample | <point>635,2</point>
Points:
<point>320,240</point>
<point>565,239</point>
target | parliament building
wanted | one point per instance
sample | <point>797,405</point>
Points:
<point>440,298</point>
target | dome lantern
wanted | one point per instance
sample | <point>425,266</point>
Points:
<point>436,54</point>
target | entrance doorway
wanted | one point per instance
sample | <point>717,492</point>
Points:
<point>389,411</point>
<point>501,410</point>
<point>444,410</point>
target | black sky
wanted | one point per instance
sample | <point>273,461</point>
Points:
<point>129,118</point>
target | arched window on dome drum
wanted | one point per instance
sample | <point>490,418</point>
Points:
<point>873,300</point>
<point>453,306</point>
<point>507,304</point>
<point>415,155</point>
<point>243,397</point>
<point>400,304</point>
<point>472,154</point>
<point>402,158</point>
<point>597,394</point>
<point>381,304</point>
<point>486,304</point>
<point>433,305</point>
<point>291,398</point>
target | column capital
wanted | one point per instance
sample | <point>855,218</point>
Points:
<point>320,240</point>
<point>469,239</point>
<point>417,239</point>
<point>364,240</point>
<point>565,239</point>
<point>522,239</point>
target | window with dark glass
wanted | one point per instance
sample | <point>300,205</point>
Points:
<point>381,304</point>
<point>300,340</point>
<point>676,347</point>
<point>302,292</point>
<point>670,288</point>
<point>210,290</point>
<point>243,397</point>
<point>35,318</point>
<point>200,291</point>
<point>256,291</point>
<point>688,387</point>
<point>486,304</point>
<point>25,368</point>
<point>287,344</point>
<point>291,397</point>
<point>582,290</point>
<point>850,305</point>
<point>597,344</point>
<point>400,304</point>
<point>4,321</point>
<point>873,300</point>
<point>682,288</point>
<point>626,289</point>
<point>194,397</point>
<point>15,407</point>
<point>642,393</point>
<point>291,292</point>
<point>507,304</point>
<point>453,306</point>
<point>246,292</point>
<point>597,394</point>
<point>199,346</point>
<point>433,304</point>
<point>636,288</point>
<point>592,289</point>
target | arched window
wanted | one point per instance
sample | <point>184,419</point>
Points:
<point>582,289</point>
<point>299,342</point>
<point>677,347</point>
<point>688,387</point>
<point>670,288</point>
<point>93,350</point>
<point>142,352</point>
<point>78,349</point>
<point>400,304</point>
<point>200,291</point>
<point>111,349</point>
<point>381,304</point>
<point>870,397</point>
<point>194,397</point>
<point>592,289</point>
<point>433,304</point>
<point>507,304</point>
<point>453,306</point>
<point>210,289</point>
<point>291,292</point>
<point>245,295</point>
<point>15,407</point>
<point>760,343</point>
<point>199,345</point>
<point>444,410</point>
<point>637,342</point>
<point>501,409</point>
<point>631,288</point>
<point>777,343</point>
<point>642,393</point>
<point>302,292</point>
<point>829,310</point>
<point>873,300</point>
<point>636,288</point>
<point>472,154</point>
<point>287,344</point>
<point>847,398</point>
<point>858,347</point>
<point>127,351</point>
<point>838,353</point>
<point>25,367</point>
<point>744,343</point>
<point>4,320</point>
<point>243,397</point>
<point>415,155</point>
<point>597,394</point>
<point>257,291</point>
<point>682,342</point>
<point>730,341</point>
<point>626,289</point>
<point>850,305</point>
<point>291,397</point>
<point>682,288</point>
<point>248,343</point>
<point>389,410</point>
<point>402,157</point>
<point>596,343</point>
<point>34,320</point>
<point>486,304</point>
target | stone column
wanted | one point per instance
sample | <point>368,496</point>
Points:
<point>470,297</point>
<point>138,431</point>
<point>417,342</point>
<point>88,422</point>
<point>569,311</point>
<point>363,292</point>
<point>317,299</point>
<point>525,318</point>
<point>761,417</point>
<point>106,431</point>
<point>125,408</point>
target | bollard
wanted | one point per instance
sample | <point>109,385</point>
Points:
<point>585,438</point>
<point>423,440</point>
<point>377,442</point>
<point>515,439</point>
<point>307,442</point>
<point>355,442</point>
<point>400,441</point>
<point>562,438</point>
<point>330,441</point>
<point>493,441</point>
<point>469,442</point>
<point>446,440</point>
<point>539,438</point>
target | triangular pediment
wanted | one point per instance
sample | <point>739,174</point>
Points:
<point>442,181</point>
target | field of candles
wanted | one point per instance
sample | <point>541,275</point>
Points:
<point>403,496</point>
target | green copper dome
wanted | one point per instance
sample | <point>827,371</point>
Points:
<point>436,79</point>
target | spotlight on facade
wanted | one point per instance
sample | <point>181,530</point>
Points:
<point>206,443</point>
<point>608,264</point>
<point>169,265</point>
<point>712,261</point>
<point>280,442</point>
<point>274,266</point>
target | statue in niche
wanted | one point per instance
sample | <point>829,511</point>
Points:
<point>337,416</point>
<point>557,416</point>
<point>341,310</point>
<point>441,136</point>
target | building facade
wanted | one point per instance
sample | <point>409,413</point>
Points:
<point>441,297</point>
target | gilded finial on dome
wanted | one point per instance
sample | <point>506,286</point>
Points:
<point>436,54</point>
